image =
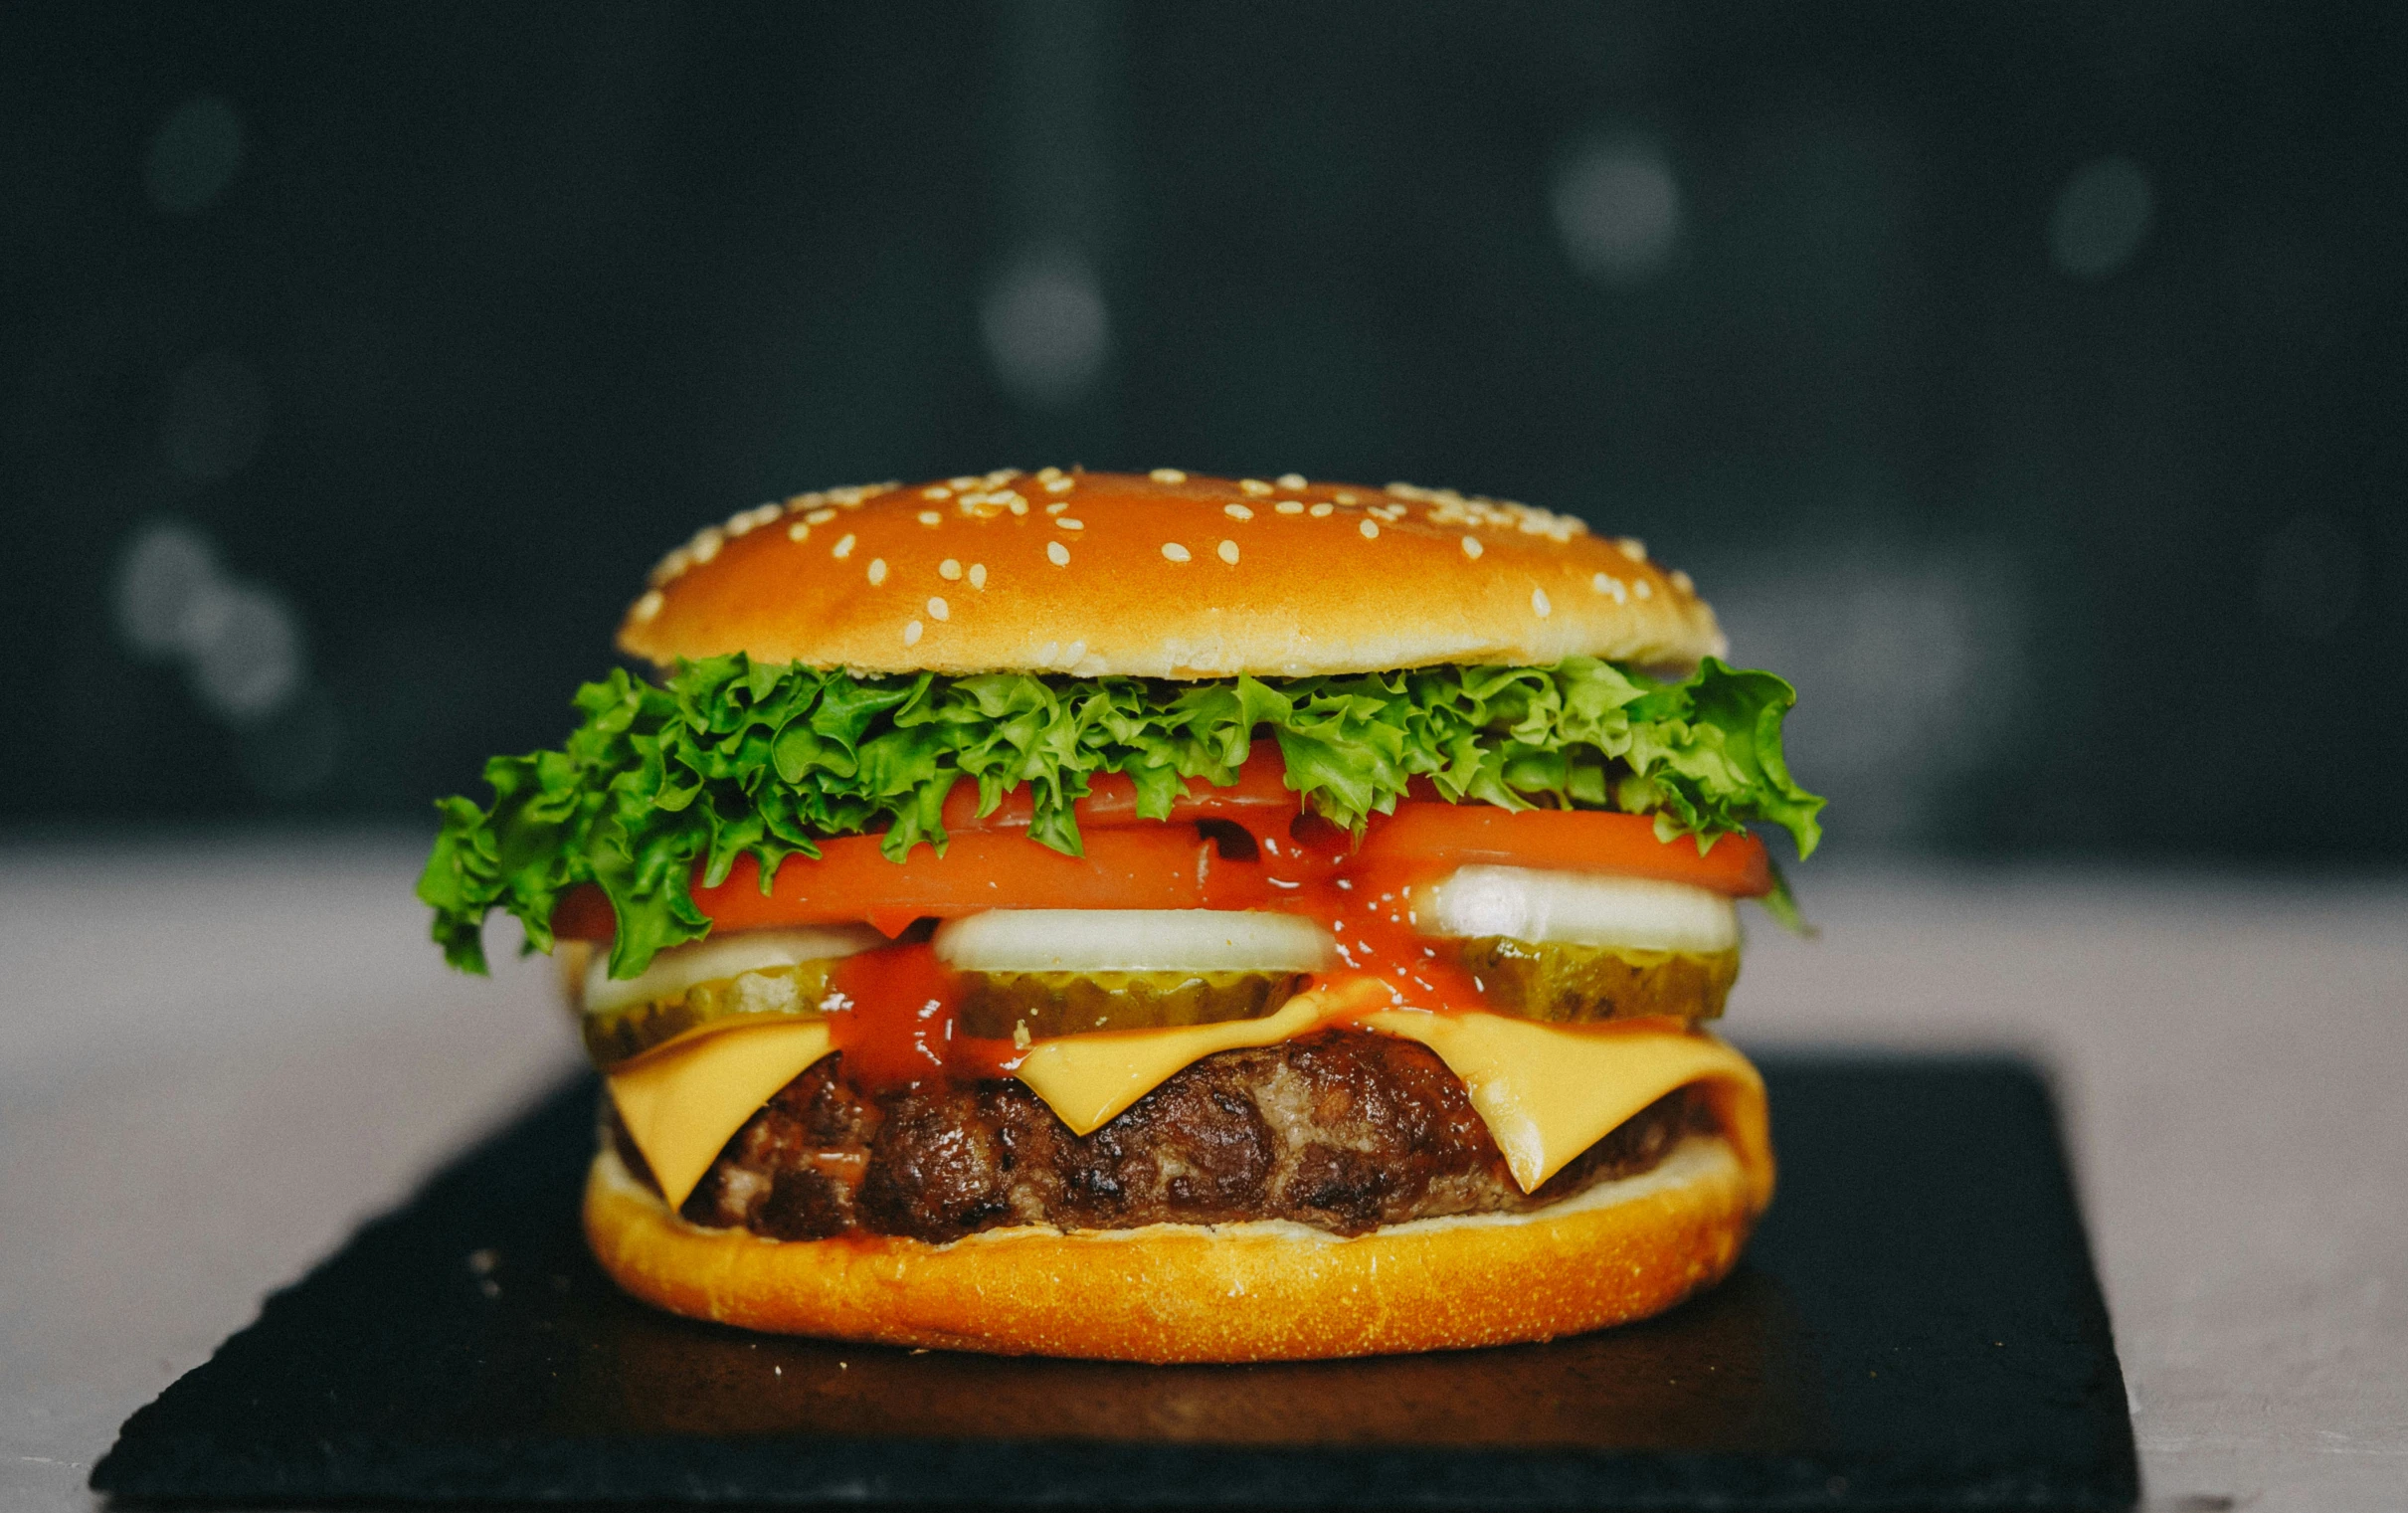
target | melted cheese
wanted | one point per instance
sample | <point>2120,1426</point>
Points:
<point>1087,1078</point>
<point>1546,1092</point>
<point>681,1103</point>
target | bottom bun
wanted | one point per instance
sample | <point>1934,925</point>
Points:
<point>1268,1290</point>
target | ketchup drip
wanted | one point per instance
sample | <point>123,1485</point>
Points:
<point>891,1012</point>
<point>894,1012</point>
<point>1309,869</point>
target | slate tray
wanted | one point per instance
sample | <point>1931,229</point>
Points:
<point>1915,1325</point>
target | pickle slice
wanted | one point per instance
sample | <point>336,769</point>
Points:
<point>1573,985</point>
<point>1033,1005</point>
<point>783,992</point>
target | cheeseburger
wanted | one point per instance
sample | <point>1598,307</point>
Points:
<point>1155,918</point>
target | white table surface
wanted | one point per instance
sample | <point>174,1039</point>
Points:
<point>219,1056</point>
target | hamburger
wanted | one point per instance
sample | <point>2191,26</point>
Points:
<point>1155,917</point>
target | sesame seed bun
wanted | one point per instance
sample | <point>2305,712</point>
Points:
<point>1263,1291</point>
<point>1163,575</point>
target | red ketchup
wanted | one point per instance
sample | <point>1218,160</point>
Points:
<point>891,1012</point>
<point>894,1011</point>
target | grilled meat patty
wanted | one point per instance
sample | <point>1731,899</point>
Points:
<point>1344,1130</point>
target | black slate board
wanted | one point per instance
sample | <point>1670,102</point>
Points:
<point>1915,1325</point>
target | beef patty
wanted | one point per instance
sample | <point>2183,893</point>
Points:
<point>1344,1130</point>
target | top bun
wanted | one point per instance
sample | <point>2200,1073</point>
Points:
<point>1163,575</point>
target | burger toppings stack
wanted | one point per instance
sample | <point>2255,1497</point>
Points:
<point>1155,917</point>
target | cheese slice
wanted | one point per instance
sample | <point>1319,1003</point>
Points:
<point>1086,1080</point>
<point>1548,1092</point>
<point>683,1102</point>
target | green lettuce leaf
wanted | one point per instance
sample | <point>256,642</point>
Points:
<point>732,758</point>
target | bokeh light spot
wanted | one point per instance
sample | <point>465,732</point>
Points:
<point>165,570</point>
<point>1617,208</point>
<point>245,652</point>
<point>1047,325</point>
<point>241,644</point>
<point>2101,217</point>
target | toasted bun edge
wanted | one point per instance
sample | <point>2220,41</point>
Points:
<point>1168,575</point>
<point>1263,1291</point>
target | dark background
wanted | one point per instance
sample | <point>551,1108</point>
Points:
<point>2023,381</point>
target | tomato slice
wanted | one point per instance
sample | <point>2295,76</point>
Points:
<point>1155,867</point>
<point>1134,864</point>
<point>584,914</point>
<point>1261,789</point>
<point>1420,833</point>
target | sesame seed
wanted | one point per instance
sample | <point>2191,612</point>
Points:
<point>931,517</point>
<point>1237,511</point>
<point>1174,552</point>
<point>977,575</point>
<point>1343,497</point>
<point>1370,528</point>
<point>706,543</point>
<point>1291,481</point>
<point>911,634</point>
<point>1472,547</point>
<point>1168,475</point>
<point>799,531</point>
<point>877,571</point>
<point>1254,487</point>
<point>938,609</point>
<point>949,569</point>
<point>1057,554</point>
<point>1537,603</point>
<point>1601,584</point>
<point>842,548</point>
<point>1321,510</point>
<point>1229,552</point>
<point>1060,485</point>
<point>820,516</point>
<point>963,482</point>
<point>1019,507</point>
<point>645,608</point>
<point>1644,588</point>
<point>1058,506</point>
<point>1072,652</point>
<point>1066,523</point>
<point>1633,548</point>
<point>936,491</point>
<point>1682,582</point>
<point>1290,506</point>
